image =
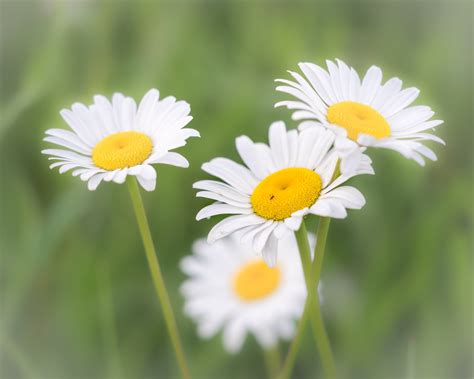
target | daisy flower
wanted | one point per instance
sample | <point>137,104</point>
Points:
<point>282,183</point>
<point>230,288</point>
<point>110,140</point>
<point>362,113</point>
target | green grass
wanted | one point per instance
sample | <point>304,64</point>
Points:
<point>76,297</point>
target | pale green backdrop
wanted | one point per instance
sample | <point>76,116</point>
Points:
<point>76,297</point>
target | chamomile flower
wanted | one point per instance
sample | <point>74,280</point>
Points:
<point>229,288</point>
<point>282,183</point>
<point>111,140</point>
<point>364,113</point>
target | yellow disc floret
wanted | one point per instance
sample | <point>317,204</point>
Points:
<point>284,192</point>
<point>256,280</point>
<point>358,118</point>
<point>121,150</point>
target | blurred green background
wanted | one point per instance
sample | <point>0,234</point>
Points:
<point>76,297</point>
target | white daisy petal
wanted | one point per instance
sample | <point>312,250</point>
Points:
<point>336,81</point>
<point>370,85</point>
<point>112,139</point>
<point>219,296</point>
<point>257,157</point>
<point>173,159</point>
<point>329,208</point>
<point>222,189</point>
<point>70,145</point>
<point>219,209</point>
<point>261,239</point>
<point>354,85</point>
<point>279,144</point>
<point>368,114</point>
<point>232,224</point>
<point>270,252</point>
<point>69,136</point>
<point>391,88</point>
<point>94,181</point>
<point>269,201</point>
<point>320,81</point>
<point>428,125</point>
<point>224,199</point>
<point>400,101</point>
<point>350,197</point>
<point>120,176</point>
<point>232,173</point>
<point>147,184</point>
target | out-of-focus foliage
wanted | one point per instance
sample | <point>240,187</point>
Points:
<point>76,297</point>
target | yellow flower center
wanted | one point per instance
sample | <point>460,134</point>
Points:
<point>121,150</point>
<point>284,192</point>
<point>256,280</point>
<point>358,118</point>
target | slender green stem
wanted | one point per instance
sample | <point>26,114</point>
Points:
<point>317,322</point>
<point>312,311</point>
<point>157,276</point>
<point>271,356</point>
<point>411,358</point>
<point>290,358</point>
<point>305,252</point>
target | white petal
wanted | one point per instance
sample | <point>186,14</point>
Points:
<point>232,224</point>
<point>218,209</point>
<point>320,81</point>
<point>370,85</point>
<point>94,182</point>
<point>234,335</point>
<point>173,159</point>
<point>336,81</point>
<point>387,91</point>
<point>222,189</point>
<point>257,157</point>
<point>349,197</point>
<point>328,208</point>
<point>400,101</point>
<point>224,199</point>
<point>232,173</point>
<point>279,144</point>
<point>147,184</point>
<point>261,239</point>
<point>270,252</point>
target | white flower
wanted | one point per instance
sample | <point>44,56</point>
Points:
<point>363,113</point>
<point>110,140</point>
<point>284,182</point>
<point>232,289</point>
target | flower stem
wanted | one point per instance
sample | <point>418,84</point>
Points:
<point>312,310</point>
<point>317,321</point>
<point>290,358</point>
<point>157,275</point>
<point>271,356</point>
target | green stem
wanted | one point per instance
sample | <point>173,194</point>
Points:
<point>157,275</point>
<point>411,357</point>
<point>290,358</point>
<point>305,252</point>
<point>312,310</point>
<point>317,322</point>
<point>271,356</point>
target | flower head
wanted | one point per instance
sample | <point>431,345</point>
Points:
<point>282,183</point>
<point>361,113</point>
<point>110,140</point>
<point>230,288</point>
